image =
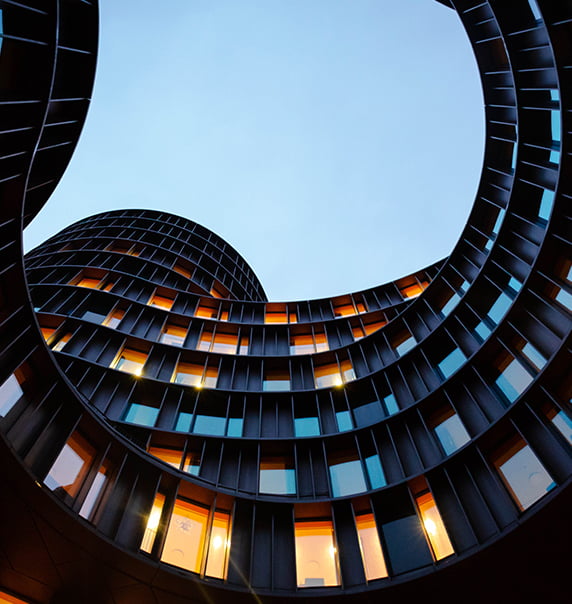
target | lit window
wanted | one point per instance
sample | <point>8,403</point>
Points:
<point>219,545</point>
<point>206,312</point>
<point>276,313</point>
<point>344,308</point>
<point>277,476</point>
<point>173,335</point>
<point>243,349</point>
<point>533,356</point>
<point>302,344</point>
<point>347,477</point>
<point>130,361</point>
<point>8,599</point>
<point>370,547</point>
<point>70,468</point>
<point>88,282</point>
<point>164,302</point>
<point>522,473</point>
<point>47,332</point>
<point>451,433</point>
<point>10,393</point>
<point>213,425</point>
<point>219,291</point>
<point>186,536</point>
<point>62,342</point>
<point>413,290</point>
<point>185,270</point>
<point>316,553</point>
<point>192,464</point>
<point>224,343</point>
<point>171,457</point>
<point>195,375</point>
<point>434,528</point>
<point>153,522</point>
<point>143,415</point>
<point>373,326</point>
<point>358,332</point>
<point>328,375</point>
<point>276,380</point>
<point>96,491</point>
<point>114,318</point>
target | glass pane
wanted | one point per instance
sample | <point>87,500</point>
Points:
<point>451,434</point>
<point>375,472</point>
<point>171,457</point>
<point>277,477</point>
<point>95,492</point>
<point>185,540</point>
<point>306,426</point>
<point>219,545</point>
<point>234,427</point>
<point>209,424</point>
<point>71,466</point>
<point>564,425</point>
<point>347,478</point>
<point>10,394</point>
<point>344,420</point>
<point>524,475</point>
<point>513,380</point>
<point>192,464</point>
<point>451,362</point>
<point>141,414</point>
<point>316,554</point>
<point>184,422</point>
<point>370,546</point>
<point>434,527</point>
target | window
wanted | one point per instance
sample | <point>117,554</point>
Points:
<point>71,466</point>
<point>333,375</point>
<point>173,335</point>
<point>346,475</point>
<point>206,312</point>
<point>370,547</point>
<point>143,415</point>
<point>59,345</point>
<point>372,326</point>
<point>90,282</point>
<point>402,343</point>
<point>7,598</point>
<point>243,348</point>
<point>96,491</point>
<point>183,269</point>
<point>277,476</point>
<point>451,362</point>
<point>316,553</point>
<point>306,426</point>
<point>375,472</point>
<point>47,332</point>
<point>153,521</point>
<point>308,343</point>
<point>10,393</point>
<point>344,421</point>
<point>187,544</point>
<point>234,426</point>
<point>130,361</point>
<point>522,473</point>
<point>114,318</point>
<point>450,431</point>
<point>344,308</point>
<point>561,421</point>
<point>192,464</point>
<point>513,379</point>
<point>435,530</point>
<point>161,301</point>
<point>219,291</point>
<point>209,424</point>
<point>414,289</point>
<point>195,375</point>
<point>276,380</point>
<point>171,457</point>
<point>391,404</point>
<point>276,313</point>
<point>223,343</point>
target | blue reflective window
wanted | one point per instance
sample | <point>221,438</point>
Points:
<point>556,126</point>
<point>498,221</point>
<point>499,308</point>
<point>405,345</point>
<point>209,424</point>
<point>344,420</point>
<point>513,380</point>
<point>391,404</point>
<point>368,414</point>
<point>347,478</point>
<point>143,415</point>
<point>451,362</point>
<point>534,356</point>
<point>554,157</point>
<point>546,204</point>
<point>564,298</point>
<point>451,303</point>
<point>514,154</point>
<point>184,422</point>
<point>564,425</point>
<point>276,477</point>
<point>234,427</point>
<point>10,393</point>
<point>483,330</point>
<point>375,472</point>
<point>451,434</point>
<point>535,10</point>
<point>554,95</point>
<point>306,426</point>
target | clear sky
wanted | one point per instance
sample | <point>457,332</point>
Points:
<point>336,144</point>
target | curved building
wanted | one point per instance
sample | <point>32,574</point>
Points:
<point>167,434</point>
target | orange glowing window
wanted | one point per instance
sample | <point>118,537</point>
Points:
<point>361,307</point>
<point>276,380</point>
<point>321,341</point>
<point>316,553</point>
<point>174,335</point>
<point>435,530</point>
<point>327,375</point>
<point>276,314</point>
<point>205,341</point>
<point>358,332</point>
<point>153,521</point>
<point>130,361</point>
<point>108,286</point>
<point>62,342</point>
<point>344,309</point>
<point>160,301</point>
<point>219,545</point>
<point>218,291</point>
<point>172,457</point>
<point>293,317</point>
<point>88,282</point>
<point>47,332</point>
<point>70,468</point>
<point>114,318</point>
<point>206,312</point>
<point>413,290</point>
<point>225,343</point>
<point>372,327</point>
<point>370,546</point>
<point>8,599</point>
<point>186,271</point>
<point>243,349</point>
<point>190,374</point>
<point>302,344</point>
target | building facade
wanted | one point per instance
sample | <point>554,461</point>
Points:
<point>170,435</point>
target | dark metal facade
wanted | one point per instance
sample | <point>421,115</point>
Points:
<point>424,422</point>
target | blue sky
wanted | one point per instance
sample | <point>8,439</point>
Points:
<point>336,144</point>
